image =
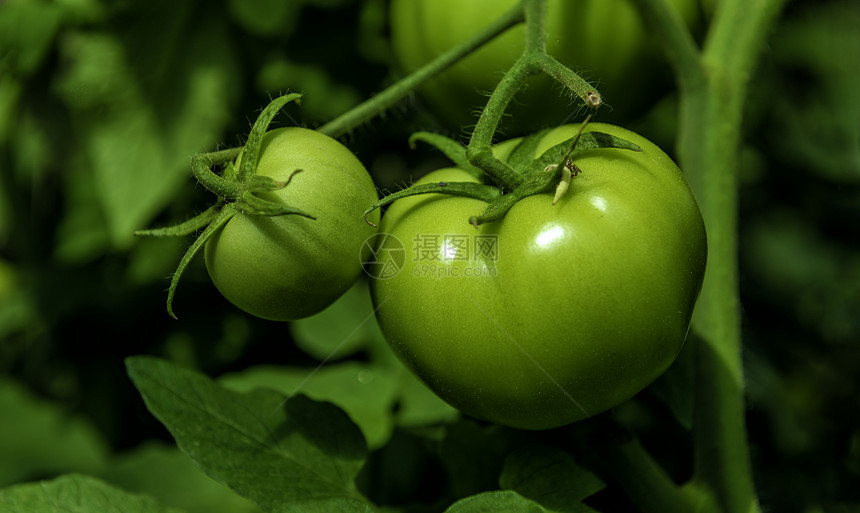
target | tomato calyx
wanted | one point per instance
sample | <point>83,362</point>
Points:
<point>552,171</point>
<point>236,190</point>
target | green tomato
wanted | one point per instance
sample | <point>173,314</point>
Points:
<point>603,40</point>
<point>555,312</point>
<point>289,267</point>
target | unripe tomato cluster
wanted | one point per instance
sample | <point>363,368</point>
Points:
<point>557,311</point>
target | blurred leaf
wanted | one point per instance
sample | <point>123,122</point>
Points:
<point>549,477</point>
<point>75,494</point>
<point>348,326</point>
<point>365,392</point>
<point>37,438</point>
<point>818,280</point>
<point>27,30</point>
<point>323,98</point>
<point>10,94</point>
<point>171,477</point>
<point>418,405</point>
<point>342,329</point>
<point>266,17</point>
<point>142,106</point>
<point>818,108</point>
<point>276,451</point>
<point>504,501</point>
<point>676,386</point>
<point>474,455</point>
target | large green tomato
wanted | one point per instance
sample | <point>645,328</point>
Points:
<point>603,40</point>
<point>289,267</point>
<point>555,312</point>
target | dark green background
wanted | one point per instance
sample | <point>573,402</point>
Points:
<point>102,104</point>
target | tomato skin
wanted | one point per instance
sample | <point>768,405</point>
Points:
<point>290,267</point>
<point>585,304</point>
<point>603,40</point>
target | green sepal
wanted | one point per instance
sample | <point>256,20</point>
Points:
<point>576,145</point>
<point>486,193</point>
<point>523,153</point>
<point>251,152</point>
<point>535,184</point>
<point>186,227</point>
<point>221,186</point>
<point>495,210</point>
<point>223,215</point>
<point>451,148</point>
<point>252,205</point>
<point>260,183</point>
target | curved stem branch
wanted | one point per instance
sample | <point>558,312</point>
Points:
<point>713,85</point>
<point>201,166</point>
<point>666,24</point>
<point>396,92</point>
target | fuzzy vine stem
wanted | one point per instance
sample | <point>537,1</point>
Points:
<point>713,84</point>
<point>384,100</point>
<point>534,60</point>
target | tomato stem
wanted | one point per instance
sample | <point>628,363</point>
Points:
<point>713,83</point>
<point>534,60</point>
<point>384,100</point>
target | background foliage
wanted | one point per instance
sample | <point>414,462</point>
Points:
<point>102,103</point>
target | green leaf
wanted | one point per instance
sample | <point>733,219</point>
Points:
<point>170,476</point>
<point>365,392</point>
<point>27,30</point>
<point>75,494</point>
<point>282,453</point>
<point>816,105</point>
<point>266,17</point>
<point>347,326</point>
<point>418,405</point>
<point>139,108</point>
<point>474,455</point>
<point>675,387</point>
<point>549,477</point>
<point>38,438</point>
<point>503,501</point>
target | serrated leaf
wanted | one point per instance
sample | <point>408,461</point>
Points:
<point>282,454</point>
<point>549,477</point>
<point>75,494</point>
<point>38,438</point>
<point>170,476</point>
<point>365,392</point>
<point>502,501</point>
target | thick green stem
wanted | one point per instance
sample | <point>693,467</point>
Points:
<point>396,92</point>
<point>713,87</point>
<point>201,166</point>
